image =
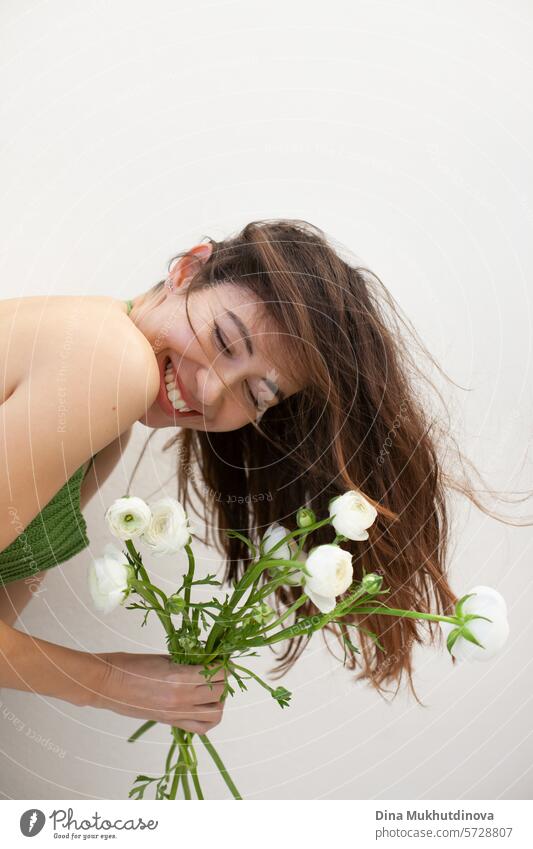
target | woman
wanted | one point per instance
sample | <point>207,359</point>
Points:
<point>289,384</point>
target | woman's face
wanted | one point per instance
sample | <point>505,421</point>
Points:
<point>222,367</point>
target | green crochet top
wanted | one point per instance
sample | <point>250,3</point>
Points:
<point>56,534</point>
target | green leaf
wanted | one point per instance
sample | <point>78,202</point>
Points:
<point>282,696</point>
<point>470,616</point>
<point>237,535</point>
<point>209,579</point>
<point>453,636</point>
<point>347,642</point>
<point>468,635</point>
<point>370,634</point>
<point>460,603</point>
<point>228,690</point>
<point>137,792</point>
<point>240,682</point>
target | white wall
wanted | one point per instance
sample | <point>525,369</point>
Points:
<point>403,130</point>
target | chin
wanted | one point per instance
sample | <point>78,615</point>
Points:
<point>156,418</point>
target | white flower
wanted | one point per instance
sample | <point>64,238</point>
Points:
<point>169,530</point>
<point>128,517</point>
<point>352,514</point>
<point>273,534</point>
<point>492,635</point>
<point>331,573</point>
<point>108,579</point>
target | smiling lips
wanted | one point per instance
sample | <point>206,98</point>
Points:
<point>173,391</point>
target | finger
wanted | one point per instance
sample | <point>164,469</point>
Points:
<point>208,694</point>
<point>192,725</point>
<point>208,712</point>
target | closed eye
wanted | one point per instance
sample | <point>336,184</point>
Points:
<point>225,348</point>
<point>253,400</point>
<point>221,344</point>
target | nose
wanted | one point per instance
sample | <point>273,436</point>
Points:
<point>209,387</point>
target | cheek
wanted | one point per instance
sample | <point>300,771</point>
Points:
<point>232,416</point>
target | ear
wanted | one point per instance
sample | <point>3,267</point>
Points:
<point>187,266</point>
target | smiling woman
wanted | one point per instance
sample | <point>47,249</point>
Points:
<point>285,370</point>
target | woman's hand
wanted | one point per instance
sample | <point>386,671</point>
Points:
<point>151,686</point>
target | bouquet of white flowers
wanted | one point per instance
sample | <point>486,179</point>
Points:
<point>218,634</point>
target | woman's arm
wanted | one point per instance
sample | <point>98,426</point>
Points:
<point>146,686</point>
<point>37,666</point>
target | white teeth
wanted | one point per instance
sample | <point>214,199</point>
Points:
<point>173,392</point>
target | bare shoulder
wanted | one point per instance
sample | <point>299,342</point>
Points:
<point>89,334</point>
<point>120,357</point>
<point>79,374</point>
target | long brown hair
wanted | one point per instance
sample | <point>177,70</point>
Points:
<point>362,421</point>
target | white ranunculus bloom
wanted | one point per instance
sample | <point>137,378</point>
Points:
<point>331,573</point>
<point>108,579</point>
<point>169,530</point>
<point>128,517</point>
<point>273,534</point>
<point>352,514</point>
<point>492,635</point>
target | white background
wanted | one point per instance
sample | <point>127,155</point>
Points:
<point>130,131</point>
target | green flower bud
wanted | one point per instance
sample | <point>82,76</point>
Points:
<point>371,583</point>
<point>305,517</point>
<point>176,604</point>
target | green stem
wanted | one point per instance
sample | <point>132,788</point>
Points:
<point>175,782</point>
<point>193,768</point>
<point>185,782</point>
<point>408,614</point>
<point>308,623</point>
<point>183,763</point>
<point>187,583</point>
<point>145,727</point>
<point>298,603</point>
<point>222,769</point>
<point>197,785</point>
<point>218,630</point>
<point>298,532</point>
<point>168,761</point>
<point>164,617</point>
<point>252,675</point>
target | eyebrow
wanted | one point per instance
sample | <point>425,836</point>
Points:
<point>243,330</point>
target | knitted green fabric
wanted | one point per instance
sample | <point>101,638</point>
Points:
<point>56,534</point>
